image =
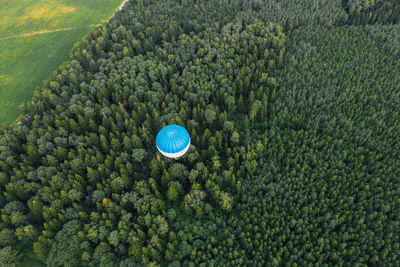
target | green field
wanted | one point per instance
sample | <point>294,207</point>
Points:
<point>35,38</point>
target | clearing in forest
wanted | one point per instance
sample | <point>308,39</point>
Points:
<point>36,37</point>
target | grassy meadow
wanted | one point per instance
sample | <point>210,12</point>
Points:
<point>35,38</point>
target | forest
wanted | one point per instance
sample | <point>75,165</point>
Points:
<point>293,111</point>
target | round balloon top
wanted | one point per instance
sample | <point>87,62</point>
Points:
<point>173,141</point>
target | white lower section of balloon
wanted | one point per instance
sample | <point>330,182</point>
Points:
<point>175,155</point>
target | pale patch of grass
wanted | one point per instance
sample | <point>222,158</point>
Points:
<point>47,12</point>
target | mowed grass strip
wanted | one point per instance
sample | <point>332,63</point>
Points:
<point>36,37</point>
<point>27,62</point>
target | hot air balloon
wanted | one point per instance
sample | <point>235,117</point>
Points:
<point>173,141</point>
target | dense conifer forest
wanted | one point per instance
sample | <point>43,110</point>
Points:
<point>293,109</point>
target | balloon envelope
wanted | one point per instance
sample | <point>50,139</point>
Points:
<point>173,141</point>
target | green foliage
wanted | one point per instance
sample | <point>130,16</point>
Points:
<point>370,12</point>
<point>387,36</point>
<point>7,237</point>
<point>65,250</point>
<point>9,257</point>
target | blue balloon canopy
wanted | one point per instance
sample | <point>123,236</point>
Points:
<point>173,141</point>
